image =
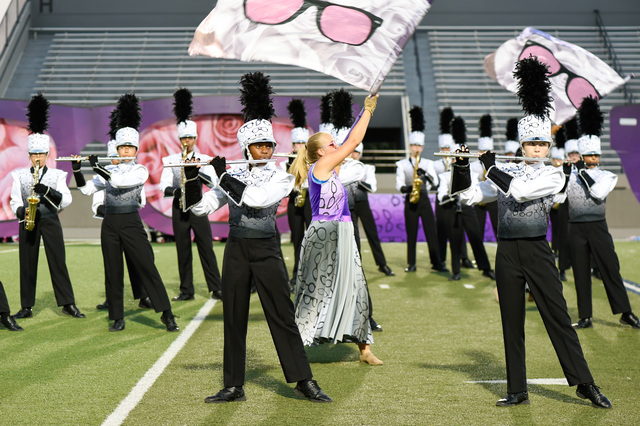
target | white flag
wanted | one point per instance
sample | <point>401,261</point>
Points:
<point>353,40</point>
<point>575,73</point>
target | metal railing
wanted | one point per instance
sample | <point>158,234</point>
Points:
<point>8,22</point>
<point>628,95</point>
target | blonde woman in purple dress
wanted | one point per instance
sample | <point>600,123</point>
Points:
<point>331,303</point>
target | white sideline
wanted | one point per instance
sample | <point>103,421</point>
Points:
<point>118,416</point>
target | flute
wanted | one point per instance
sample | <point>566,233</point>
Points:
<point>498,157</point>
<point>206,163</point>
<point>291,155</point>
<point>99,158</point>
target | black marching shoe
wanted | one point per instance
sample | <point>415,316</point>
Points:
<point>145,303</point>
<point>374,325</point>
<point>513,399</point>
<point>73,311</point>
<point>23,313</point>
<point>103,306</point>
<point>631,319</point>
<point>118,325</point>
<point>466,263</point>
<point>170,322</point>
<point>386,270</point>
<point>10,323</point>
<point>182,296</point>
<point>591,392</point>
<point>410,268</point>
<point>455,277</point>
<point>309,389</point>
<point>228,394</point>
<point>489,273</point>
<point>439,268</point>
<point>216,294</point>
<point>583,323</point>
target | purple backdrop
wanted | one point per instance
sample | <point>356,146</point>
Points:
<point>624,122</point>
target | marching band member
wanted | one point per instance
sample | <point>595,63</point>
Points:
<point>587,190</point>
<point>414,177</point>
<point>461,218</point>
<point>252,252</point>
<point>97,205</point>
<point>122,227</point>
<point>5,316</point>
<point>182,220</point>
<point>50,187</point>
<point>511,145</point>
<point>332,298</point>
<point>525,193</point>
<point>559,214</point>
<point>485,143</point>
<point>299,208</point>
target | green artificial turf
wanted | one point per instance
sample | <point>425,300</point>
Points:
<point>438,337</point>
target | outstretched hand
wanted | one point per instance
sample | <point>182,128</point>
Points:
<point>370,103</point>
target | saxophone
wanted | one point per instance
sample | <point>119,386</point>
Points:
<point>183,180</point>
<point>416,182</point>
<point>301,197</point>
<point>33,200</point>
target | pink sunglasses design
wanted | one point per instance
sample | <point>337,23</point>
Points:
<point>576,87</point>
<point>343,24</point>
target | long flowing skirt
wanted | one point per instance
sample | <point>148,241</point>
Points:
<point>332,298</point>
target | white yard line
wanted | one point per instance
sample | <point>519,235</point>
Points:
<point>144,384</point>
<point>562,381</point>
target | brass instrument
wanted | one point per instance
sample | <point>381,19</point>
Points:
<point>416,182</point>
<point>301,197</point>
<point>498,157</point>
<point>33,200</point>
<point>183,179</point>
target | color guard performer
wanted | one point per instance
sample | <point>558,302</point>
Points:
<point>525,193</point>
<point>414,177</point>
<point>122,227</point>
<point>37,195</point>
<point>182,220</point>
<point>252,253</point>
<point>587,190</point>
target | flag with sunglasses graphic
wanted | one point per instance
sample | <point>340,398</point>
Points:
<point>354,40</point>
<point>574,72</point>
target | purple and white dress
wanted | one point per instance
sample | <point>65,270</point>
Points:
<point>332,298</point>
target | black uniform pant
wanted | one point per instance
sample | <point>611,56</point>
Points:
<point>4,303</point>
<point>48,229</point>
<point>459,222</point>
<point>136,282</point>
<point>481,212</point>
<point>258,260</point>
<point>412,213</point>
<point>531,261</point>
<point>125,232</point>
<point>593,238</point>
<point>560,235</point>
<point>443,235</point>
<point>299,219</point>
<point>183,223</point>
<point>362,211</point>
